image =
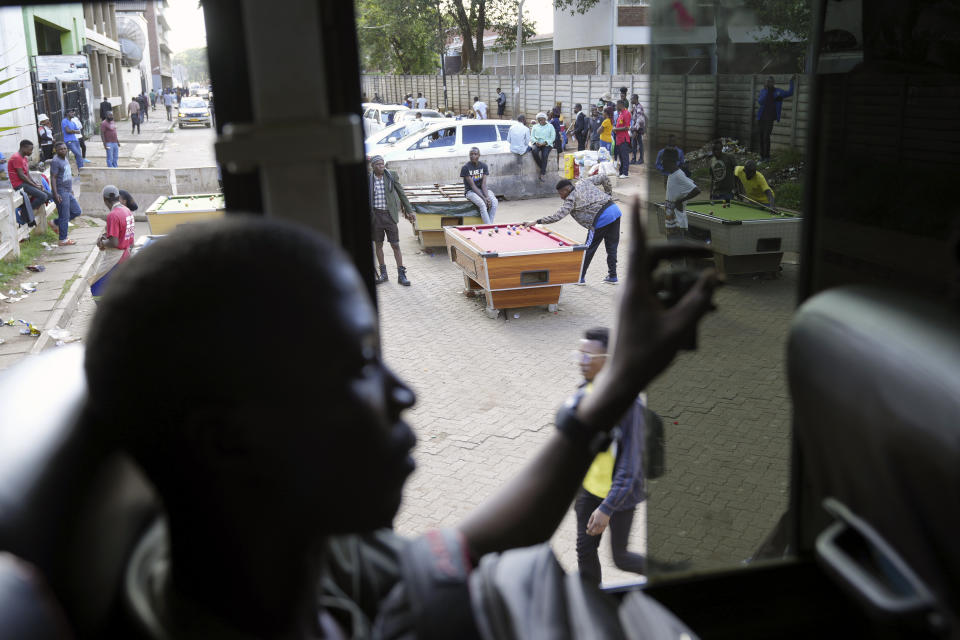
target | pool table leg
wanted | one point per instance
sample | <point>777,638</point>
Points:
<point>470,286</point>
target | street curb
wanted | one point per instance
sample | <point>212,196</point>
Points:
<point>64,309</point>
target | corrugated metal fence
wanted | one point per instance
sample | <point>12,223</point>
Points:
<point>695,108</point>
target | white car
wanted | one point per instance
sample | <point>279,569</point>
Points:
<point>193,111</point>
<point>378,116</point>
<point>411,114</point>
<point>395,133</point>
<point>451,138</point>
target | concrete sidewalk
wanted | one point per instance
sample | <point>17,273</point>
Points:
<point>136,149</point>
<point>58,290</point>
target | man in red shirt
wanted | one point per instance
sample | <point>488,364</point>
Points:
<point>18,168</point>
<point>115,243</point>
<point>621,131</point>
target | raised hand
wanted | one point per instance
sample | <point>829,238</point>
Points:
<point>647,335</point>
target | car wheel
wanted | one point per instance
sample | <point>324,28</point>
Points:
<point>208,125</point>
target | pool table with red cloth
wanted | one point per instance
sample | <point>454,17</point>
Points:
<point>513,266</point>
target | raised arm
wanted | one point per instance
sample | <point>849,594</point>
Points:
<point>530,507</point>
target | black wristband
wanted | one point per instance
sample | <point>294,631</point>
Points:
<point>578,432</point>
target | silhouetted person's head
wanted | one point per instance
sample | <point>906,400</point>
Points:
<point>272,407</point>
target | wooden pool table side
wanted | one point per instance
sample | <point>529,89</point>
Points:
<point>455,209</point>
<point>500,277</point>
<point>164,218</point>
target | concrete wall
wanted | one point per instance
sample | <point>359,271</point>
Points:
<point>145,185</point>
<point>13,56</point>
<point>511,176</point>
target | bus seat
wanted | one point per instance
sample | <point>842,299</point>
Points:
<point>70,504</point>
<point>875,380</point>
<point>27,607</point>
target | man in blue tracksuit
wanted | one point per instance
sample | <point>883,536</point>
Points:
<point>771,101</point>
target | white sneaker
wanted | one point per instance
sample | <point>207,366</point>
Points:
<point>622,176</point>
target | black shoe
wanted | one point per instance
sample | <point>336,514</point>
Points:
<point>380,279</point>
<point>401,276</point>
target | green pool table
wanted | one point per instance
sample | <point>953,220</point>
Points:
<point>745,238</point>
<point>167,212</point>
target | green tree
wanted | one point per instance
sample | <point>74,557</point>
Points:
<point>503,20</point>
<point>398,36</point>
<point>195,62</point>
<point>789,25</point>
<point>575,6</point>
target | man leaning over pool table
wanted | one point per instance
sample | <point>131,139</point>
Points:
<point>595,211</point>
<point>754,184</point>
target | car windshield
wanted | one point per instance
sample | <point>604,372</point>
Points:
<point>192,103</point>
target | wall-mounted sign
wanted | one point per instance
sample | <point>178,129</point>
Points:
<point>63,68</point>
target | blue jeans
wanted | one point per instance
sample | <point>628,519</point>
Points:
<point>113,153</point>
<point>609,235</point>
<point>607,145</point>
<point>67,209</point>
<point>74,146</point>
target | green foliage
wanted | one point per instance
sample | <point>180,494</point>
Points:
<point>30,250</point>
<point>195,62</point>
<point>575,6</point>
<point>503,20</point>
<point>790,23</point>
<point>399,36</point>
<point>789,195</point>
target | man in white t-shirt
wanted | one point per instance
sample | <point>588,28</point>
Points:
<point>479,108</point>
<point>421,101</point>
<point>680,188</point>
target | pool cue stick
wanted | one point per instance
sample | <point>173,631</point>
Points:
<point>759,204</point>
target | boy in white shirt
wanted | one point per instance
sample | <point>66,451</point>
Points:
<point>680,188</point>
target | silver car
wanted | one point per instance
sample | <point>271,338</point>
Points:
<point>193,111</point>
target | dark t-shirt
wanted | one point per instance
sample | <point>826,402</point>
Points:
<point>721,170</point>
<point>61,172</point>
<point>475,172</point>
<point>770,105</point>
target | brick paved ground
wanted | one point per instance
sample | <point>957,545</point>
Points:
<point>487,391</point>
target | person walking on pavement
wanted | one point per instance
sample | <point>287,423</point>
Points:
<point>580,127</point>
<point>18,168</point>
<point>70,132</point>
<point>474,174</point>
<point>83,145</point>
<point>543,135</point>
<point>111,143</point>
<point>168,103</point>
<point>622,131</point>
<point>134,109</point>
<point>613,485</point>
<point>388,201</point>
<point>771,102</point>
<point>153,99</point>
<point>638,126</point>
<point>105,108</point>
<point>595,211</point>
<point>61,181</point>
<point>144,104</point>
<point>501,102</point>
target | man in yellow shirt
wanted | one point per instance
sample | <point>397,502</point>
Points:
<point>754,184</point>
<point>613,486</point>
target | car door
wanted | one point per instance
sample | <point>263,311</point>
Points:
<point>439,143</point>
<point>483,136</point>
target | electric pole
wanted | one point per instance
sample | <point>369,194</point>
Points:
<point>518,75</point>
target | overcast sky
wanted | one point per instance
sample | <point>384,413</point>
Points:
<point>187,31</point>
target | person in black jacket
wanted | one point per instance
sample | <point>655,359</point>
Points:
<point>580,127</point>
<point>105,108</point>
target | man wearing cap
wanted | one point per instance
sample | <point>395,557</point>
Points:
<point>754,184</point>
<point>543,135</point>
<point>115,242</point>
<point>387,201</point>
<point>474,174</point>
<point>70,131</point>
<point>45,133</point>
